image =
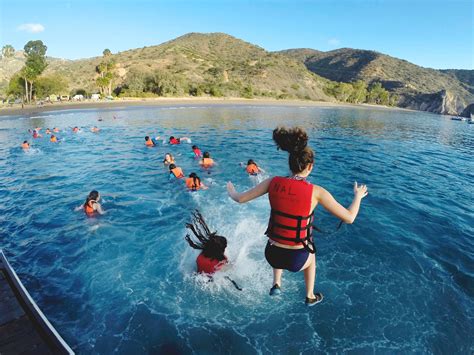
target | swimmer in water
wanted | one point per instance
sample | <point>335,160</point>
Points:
<point>206,161</point>
<point>75,129</point>
<point>36,134</point>
<point>95,129</point>
<point>53,139</point>
<point>197,152</point>
<point>92,205</point>
<point>56,130</point>
<point>25,145</point>
<point>48,131</point>
<point>193,183</point>
<point>149,142</point>
<point>174,141</point>
<point>212,257</point>
<point>252,168</point>
<point>290,245</point>
<point>176,172</point>
<point>169,159</point>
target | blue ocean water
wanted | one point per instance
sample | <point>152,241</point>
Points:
<point>400,279</point>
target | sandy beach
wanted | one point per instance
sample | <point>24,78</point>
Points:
<point>17,110</point>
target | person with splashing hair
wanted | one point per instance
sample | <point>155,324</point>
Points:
<point>293,200</point>
<point>212,246</point>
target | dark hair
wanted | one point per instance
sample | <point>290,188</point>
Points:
<point>196,180</point>
<point>172,137</point>
<point>172,166</point>
<point>194,147</point>
<point>251,162</point>
<point>147,138</point>
<point>212,245</point>
<point>206,155</point>
<point>294,141</point>
<point>25,142</point>
<point>93,196</point>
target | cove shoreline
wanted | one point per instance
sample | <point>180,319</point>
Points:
<point>205,101</point>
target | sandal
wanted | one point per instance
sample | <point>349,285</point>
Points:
<point>275,290</point>
<point>313,301</point>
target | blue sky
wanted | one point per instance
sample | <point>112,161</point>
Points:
<point>431,33</point>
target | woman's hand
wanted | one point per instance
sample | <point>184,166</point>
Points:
<point>360,191</point>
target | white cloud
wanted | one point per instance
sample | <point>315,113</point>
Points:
<point>31,27</point>
<point>334,41</point>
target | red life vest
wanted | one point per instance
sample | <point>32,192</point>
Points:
<point>208,265</point>
<point>291,216</point>
<point>197,152</point>
<point>174,141</point>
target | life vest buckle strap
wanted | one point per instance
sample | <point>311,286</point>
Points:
<point>287,215</point>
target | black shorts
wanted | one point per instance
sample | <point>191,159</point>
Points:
<point>289,259</point>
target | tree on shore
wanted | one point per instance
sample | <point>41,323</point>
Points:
<point>106,72</point>
<point>359,92</point>
<point>8,51</point>
<point>378,95</point>
<point>35,64</point>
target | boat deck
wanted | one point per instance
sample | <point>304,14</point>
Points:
<point>22,327</point>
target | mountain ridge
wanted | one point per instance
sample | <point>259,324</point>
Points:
<point>236,68</point>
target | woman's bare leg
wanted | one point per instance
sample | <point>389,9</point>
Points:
<point>309,269</point>
<point>277,276</point>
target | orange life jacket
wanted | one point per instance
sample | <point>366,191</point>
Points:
<point>191,185</point>
<point>149,143</point>
<point>252,169</point>
<point>53,139</point>
<point>291,216</point>
<point>25,145</point>
<point>88,207</point>
<point>207,162</point>
<point>177,172</point>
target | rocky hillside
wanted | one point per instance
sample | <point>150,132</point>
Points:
<point>221,65</point>
<point>234,66</point>
<point>439,91</point>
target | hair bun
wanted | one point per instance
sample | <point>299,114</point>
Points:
<point>291,140</point>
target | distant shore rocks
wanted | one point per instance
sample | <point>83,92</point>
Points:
<point>468,111</point>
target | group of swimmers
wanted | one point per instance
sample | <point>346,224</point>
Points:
<point>193,181</point>
<point>292,200</point>
<point>53,138</point>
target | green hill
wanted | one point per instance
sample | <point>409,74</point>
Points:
<point>216,61</point>
<point>217,64</point>
<point>440,91</point>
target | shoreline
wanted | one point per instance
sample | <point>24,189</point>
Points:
<point>167,101</point>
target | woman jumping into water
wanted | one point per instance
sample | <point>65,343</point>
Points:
<point>292,201</point>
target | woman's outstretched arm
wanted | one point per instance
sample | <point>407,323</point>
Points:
<point>347,215</point>
<point>257,191</point>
